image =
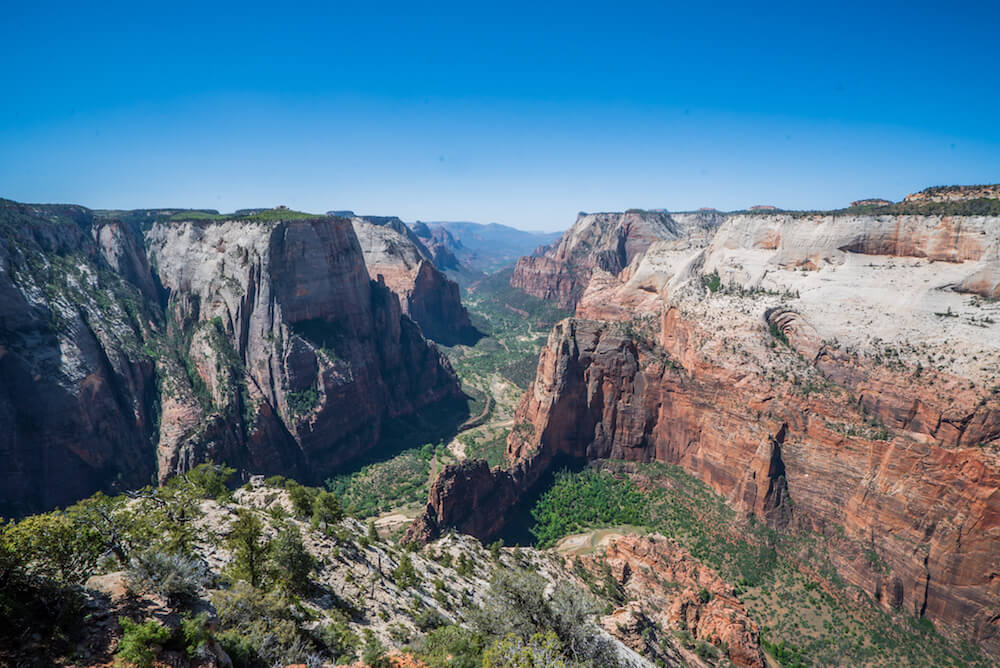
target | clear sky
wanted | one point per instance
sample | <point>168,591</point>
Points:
<point>517,113</point>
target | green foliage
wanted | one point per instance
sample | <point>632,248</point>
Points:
<point>464,567</point>
<point>777,334</point>
<point>452,647</point>
<point>194,633</point>
<point>712,281</point>
<point>176,577</point>
<point>137,646</point>
<point>291,561</point>
<point>249,546</point>
<point>404,575</point>
<point>384,485</point>
<point>326,510</point>
<point>302,402</point>
<point>586,499</point>
<point>374,651</point>
<point>261,629</point>
<point>265,216</point>
<point>541,650</point>
<point>58,546</point>
<point>302,498</point>
<point>208,480</point>
<point>786,654</point>
<point>515,606</point>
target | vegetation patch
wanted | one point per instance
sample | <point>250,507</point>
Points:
<point>586,499</point>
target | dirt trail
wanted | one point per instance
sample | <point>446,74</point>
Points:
<point>593,541</point>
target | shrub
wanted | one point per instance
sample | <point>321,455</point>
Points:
<point>712,281</point>
<point>56,546</point>
<point>137,646</point>
<point>173,576</point>
<point>541,650</point>
<point>195,635</point>
<point>515,604</point>
<point>464,567</point>
<point>452,647</point>
<point>262,628</point>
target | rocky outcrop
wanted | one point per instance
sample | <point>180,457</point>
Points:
<point>607,242</point>
<point>127,356</point>
<point>667,586</point>
<point>394,252</point>
<point>873,201</point>
<point>826,360</point>
<point>955,193</point>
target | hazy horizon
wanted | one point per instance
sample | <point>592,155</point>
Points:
<point>521,116</point>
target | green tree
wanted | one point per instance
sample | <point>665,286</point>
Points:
<point>302,499</point>
<point>404,575</point>
<point>326,510</point>
<point>57,546</point>
<point>292,562</point>
<point>209,480</point>
<point>249,546</point>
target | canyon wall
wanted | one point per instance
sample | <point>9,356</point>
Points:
<point>394,252</point>
<point>134,347</point>
<point>603,241</point>
<point>834,374</point>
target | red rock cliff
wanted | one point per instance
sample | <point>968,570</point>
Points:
<point>877,416</point>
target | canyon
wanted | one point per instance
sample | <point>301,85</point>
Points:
<point>134,345</point>
<point>818,393</point>
<point>831,374</point>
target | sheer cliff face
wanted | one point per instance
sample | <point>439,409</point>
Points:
<point>264,345</point>
<point>394,252</point>
<point>841,363</point>
<point>76,387</point>
<point>608,242</point>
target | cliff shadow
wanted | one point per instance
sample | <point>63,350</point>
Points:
<point>519,522</point>
<point>435,424</point>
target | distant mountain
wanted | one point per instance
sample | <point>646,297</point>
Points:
<point>483,248</point>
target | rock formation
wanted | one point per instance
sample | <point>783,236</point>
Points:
<point>134,346</point>
<point>394,252</point>
<point>603,241</point>
<point>441,244</point>
<point>668,586</point>
<point>848,363</point>
<point>955,193</point>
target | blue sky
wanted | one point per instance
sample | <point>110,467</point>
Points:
<point>522,114</point>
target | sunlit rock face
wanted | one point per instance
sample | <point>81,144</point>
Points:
<point>836,374</point>
<point>608,242</point>
<point>395,253</point>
